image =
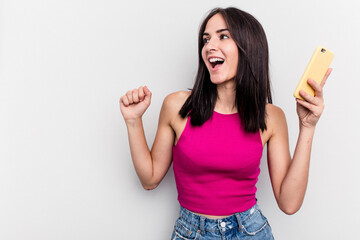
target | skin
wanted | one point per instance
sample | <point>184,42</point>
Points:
<point>220,44</point>
<point>288,175</point>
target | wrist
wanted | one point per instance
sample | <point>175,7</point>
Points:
<point>133,122</point>
<point>309,130</point>
<point>307,126</point>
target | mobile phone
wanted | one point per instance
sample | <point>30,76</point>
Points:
<point>316,70</point>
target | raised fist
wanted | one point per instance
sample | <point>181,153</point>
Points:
<point>134,103</point>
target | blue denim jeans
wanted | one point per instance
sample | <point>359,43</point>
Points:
<point>251,224</point>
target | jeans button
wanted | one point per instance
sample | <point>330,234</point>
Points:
<point>223,224</point>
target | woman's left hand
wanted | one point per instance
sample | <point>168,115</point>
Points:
<point>309,111</point>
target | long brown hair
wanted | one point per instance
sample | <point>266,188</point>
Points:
<point>252,77</point>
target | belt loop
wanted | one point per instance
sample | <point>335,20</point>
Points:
<point>202,225</point>
<point>238,218</point>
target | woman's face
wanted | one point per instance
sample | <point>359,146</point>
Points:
<point>220,52</point>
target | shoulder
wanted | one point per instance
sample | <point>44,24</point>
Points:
<point>176,97</point>
<point>274,112</point>
<point>173,103</point>
<point>275,118</point>
<point>176,100</point>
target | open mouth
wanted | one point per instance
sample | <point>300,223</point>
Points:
<point>216,61</point>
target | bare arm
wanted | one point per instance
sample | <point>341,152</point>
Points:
<point>150,166</point>
<point>289,177</point>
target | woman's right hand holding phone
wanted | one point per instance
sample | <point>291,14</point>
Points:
<point>134,103</point>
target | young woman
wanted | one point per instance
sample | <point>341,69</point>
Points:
<point>215,135</point>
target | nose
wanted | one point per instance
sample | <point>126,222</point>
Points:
<point>212,45</point>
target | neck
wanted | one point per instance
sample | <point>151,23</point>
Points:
<point>225,102</point>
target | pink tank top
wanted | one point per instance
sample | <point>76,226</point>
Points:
<point>216,166</point>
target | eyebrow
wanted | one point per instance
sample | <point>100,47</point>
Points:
<point>218,31</point>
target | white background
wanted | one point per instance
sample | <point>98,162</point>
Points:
<point>65,165</point>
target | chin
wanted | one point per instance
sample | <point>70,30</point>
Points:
<point>218,79</point>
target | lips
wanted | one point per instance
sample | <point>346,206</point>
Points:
<point>215,62</point>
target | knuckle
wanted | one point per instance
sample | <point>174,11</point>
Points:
<point>125,101</point>
<point>309,98</point>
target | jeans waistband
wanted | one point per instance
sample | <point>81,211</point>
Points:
<point>205,224</point>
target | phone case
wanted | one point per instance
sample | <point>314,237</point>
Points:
<point>316,70</point>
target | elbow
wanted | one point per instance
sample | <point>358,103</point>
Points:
<point>290,210</point>
<point>149,187</point>
<point>289,204</point>
<point>150,183</point>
